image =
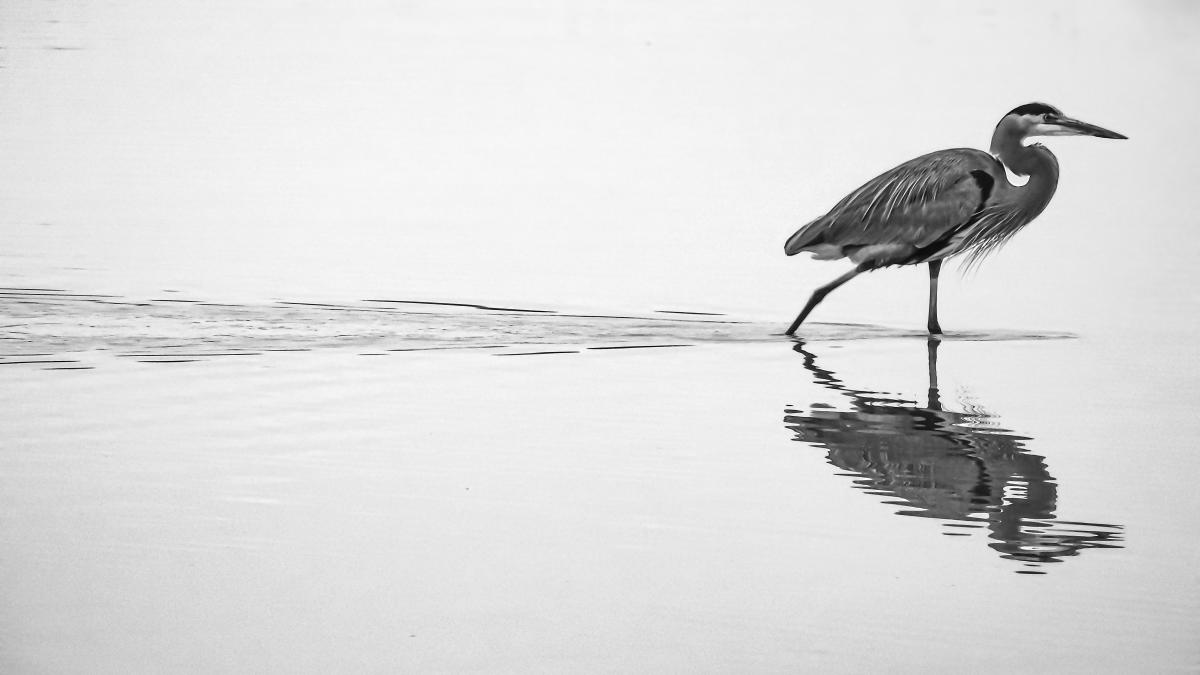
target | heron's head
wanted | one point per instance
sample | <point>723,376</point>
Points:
<point>1040,119</point>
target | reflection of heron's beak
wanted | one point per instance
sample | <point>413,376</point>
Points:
<point>1069,126</point>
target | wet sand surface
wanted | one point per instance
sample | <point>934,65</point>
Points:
<point>292,487</point>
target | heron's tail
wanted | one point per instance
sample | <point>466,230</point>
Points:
<point>807,237</point>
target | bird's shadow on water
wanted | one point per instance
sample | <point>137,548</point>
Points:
<point>952,466</point>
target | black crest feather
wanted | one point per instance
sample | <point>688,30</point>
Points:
<point>1034,109</point>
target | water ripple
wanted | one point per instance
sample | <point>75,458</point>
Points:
<point>60,324</point>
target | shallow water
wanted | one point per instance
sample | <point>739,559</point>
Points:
<point>371,489</point>
<point>54,326</point>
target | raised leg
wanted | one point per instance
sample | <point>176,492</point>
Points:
<point>819,295</point>
<point>935,268</point>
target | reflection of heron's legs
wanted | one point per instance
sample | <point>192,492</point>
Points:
<point>819,295</point>
<point>931,347</point>
<point>935,268</point>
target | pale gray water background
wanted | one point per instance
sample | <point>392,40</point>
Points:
<point>444,338</point>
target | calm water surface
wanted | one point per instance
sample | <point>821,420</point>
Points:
<point>691,493</point>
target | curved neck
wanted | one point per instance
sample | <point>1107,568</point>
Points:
<point>1034,161</point>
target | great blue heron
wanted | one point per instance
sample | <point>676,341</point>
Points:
<point>942,204</point>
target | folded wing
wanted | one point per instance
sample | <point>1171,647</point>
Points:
<point>917,211</point>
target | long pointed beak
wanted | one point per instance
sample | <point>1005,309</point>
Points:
<point>1081,127</point>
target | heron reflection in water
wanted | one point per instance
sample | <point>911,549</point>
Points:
<point>945,465</point>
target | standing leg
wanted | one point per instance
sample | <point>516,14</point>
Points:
<point>819,295</point>
<point>935,268</point>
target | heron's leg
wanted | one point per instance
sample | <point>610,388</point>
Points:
<point>935,268</point>
<point>819,295</point>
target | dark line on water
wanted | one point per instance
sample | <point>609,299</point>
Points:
<point>71,368</point>
<point>321,305</point>
<point>47,290</point>
<point>172,361</point>
<point>1076,522</point>
<point>200,355</point>
<point>572,351</point>
<point>55,294</point>
<point>467,304</point>
<point>429,349</point>
<point>641,318</point>
<point>640,346</point>
<point>339,308</point>
<point>13,363</point>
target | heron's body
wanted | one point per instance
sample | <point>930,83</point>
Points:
<point>942,204</point>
